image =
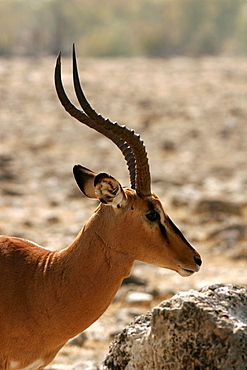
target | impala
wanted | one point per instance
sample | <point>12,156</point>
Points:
<point>47,297</point>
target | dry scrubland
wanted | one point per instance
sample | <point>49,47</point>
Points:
<point>192,115</point>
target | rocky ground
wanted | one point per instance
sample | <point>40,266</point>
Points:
<point>192,114</point>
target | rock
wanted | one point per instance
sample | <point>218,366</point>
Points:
<point>122,318</point>
<point>139,297</point>
<point>192,330</point>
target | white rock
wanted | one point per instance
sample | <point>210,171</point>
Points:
<point>138,297</point>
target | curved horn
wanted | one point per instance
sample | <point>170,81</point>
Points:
<point>121,144</point>
<point>80,116</point>
<point>120,135</point>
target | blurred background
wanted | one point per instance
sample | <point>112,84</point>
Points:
<point>176,72</point>
<point>153,28</point>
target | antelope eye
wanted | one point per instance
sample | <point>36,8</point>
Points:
<point>153,216</point>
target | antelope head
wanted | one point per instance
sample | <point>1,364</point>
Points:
<point>145,232</point>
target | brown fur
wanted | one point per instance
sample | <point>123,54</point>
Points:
<point>48,297</point>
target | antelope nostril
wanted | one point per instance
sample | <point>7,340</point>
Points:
<point>198,260</point>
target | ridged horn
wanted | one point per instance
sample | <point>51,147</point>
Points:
<point>121,144</point>
<point>127,141</point>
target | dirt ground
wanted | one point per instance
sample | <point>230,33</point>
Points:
<point>192,115</point>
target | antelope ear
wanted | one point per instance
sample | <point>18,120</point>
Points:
<point>108,190</point>
<point>85,180</point>
<point>102,186</point>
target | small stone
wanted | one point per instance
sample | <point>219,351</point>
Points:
<point>138,297</point>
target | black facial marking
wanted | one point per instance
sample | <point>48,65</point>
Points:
<point>163,230</point>
<point>178,232</point>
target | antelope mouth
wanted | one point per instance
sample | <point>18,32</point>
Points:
<point>186,272</point>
